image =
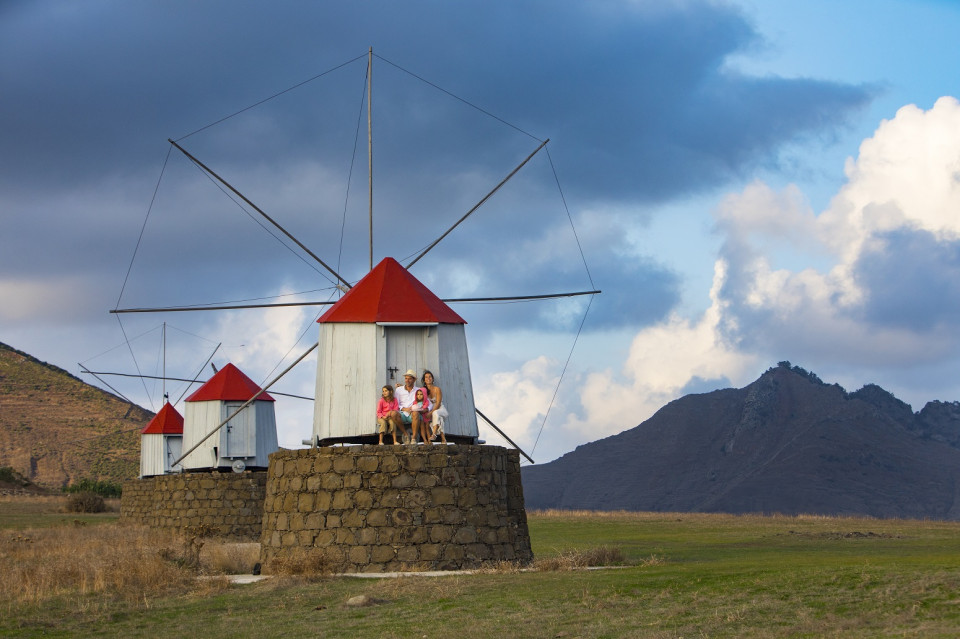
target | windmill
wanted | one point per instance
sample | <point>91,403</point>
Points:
<point>362,350</point>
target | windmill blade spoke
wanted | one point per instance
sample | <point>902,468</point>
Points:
<point>494,426</point>
<point>521,298</point>
<point>231,307</point>
<point>182,379</point>
<point>478,204</point>
<point>256,208</point>
<point>451,300</point>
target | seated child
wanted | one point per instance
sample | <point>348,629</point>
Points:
<point>387,413</point>
<point>421,405</point>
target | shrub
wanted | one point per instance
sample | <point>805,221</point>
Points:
<point>102,488</point>
<point>85,502</point>
<point>10,476</point>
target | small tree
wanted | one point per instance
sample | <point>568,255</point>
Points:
<point>85,502</point>
<point>102,488</point>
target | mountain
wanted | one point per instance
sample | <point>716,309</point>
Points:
<point>787,443</point>
<point>55,429</point>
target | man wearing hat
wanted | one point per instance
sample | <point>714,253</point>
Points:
<point>406,394</point>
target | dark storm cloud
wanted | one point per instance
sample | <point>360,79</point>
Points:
<point>635,97</point>
<point>912,279</point>
<point>635,292</point>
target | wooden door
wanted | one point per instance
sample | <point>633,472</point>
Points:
<point>406,349</point>
<point>174,447</point>
<point>238,436</point>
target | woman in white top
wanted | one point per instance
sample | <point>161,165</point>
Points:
<point>438,411</point>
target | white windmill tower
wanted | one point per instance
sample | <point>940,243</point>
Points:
<point>223,428</point>
<point>389,322</point>
<point>161,442</point>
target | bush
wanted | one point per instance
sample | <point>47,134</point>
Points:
<point>85,502</point>
<point>102,488</point>
<point>10,476</point>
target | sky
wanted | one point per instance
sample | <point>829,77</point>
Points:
<point>747,182</point>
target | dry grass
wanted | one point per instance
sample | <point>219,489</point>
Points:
<point>428,589</point>
<point>33,503</point>
<point>500,567</point>
<point>577,559</point>
<point>687,575</point>
<point>570,560</point>
<point>302,562</point>
<point>229,558</point>
<point>128,563</point>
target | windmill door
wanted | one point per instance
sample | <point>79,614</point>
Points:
<point>173,446</point>
<point>406,349</point>
<point>238,438</point>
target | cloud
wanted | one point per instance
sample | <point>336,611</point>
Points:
<point>651,93</point>
<point>637,98</point>
<point>890,236</point>
<point>26,299</point>
<point>663,361</point>
<point>867,288</point>
<point>517,401</point>
<point>913,280</point>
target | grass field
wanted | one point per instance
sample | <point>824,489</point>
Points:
<point>683,575</point>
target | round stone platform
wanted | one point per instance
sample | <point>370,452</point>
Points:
<point>395,508</point>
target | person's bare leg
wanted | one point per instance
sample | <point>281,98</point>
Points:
<point>398,420</point>
<point>414,427</point>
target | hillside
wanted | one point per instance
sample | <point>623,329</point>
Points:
<point>55,429</point>
<point>786,443</point>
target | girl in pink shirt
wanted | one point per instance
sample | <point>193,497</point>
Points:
<point>421,404</point>
<point>387,413</point>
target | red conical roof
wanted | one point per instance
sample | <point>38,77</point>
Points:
<point>389,293</point>
<point>166,422</point>
<point>229,385</point>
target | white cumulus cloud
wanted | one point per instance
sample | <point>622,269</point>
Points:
<point>863,287</point>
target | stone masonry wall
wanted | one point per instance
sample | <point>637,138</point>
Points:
<point>395,508</point>
<point>225,505</point>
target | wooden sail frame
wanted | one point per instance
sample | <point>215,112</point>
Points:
<point>449,300</point>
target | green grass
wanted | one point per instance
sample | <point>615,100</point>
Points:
<point>687,575</point>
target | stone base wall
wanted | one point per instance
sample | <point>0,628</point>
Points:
<point>225,505</point>
<point>395,508</point>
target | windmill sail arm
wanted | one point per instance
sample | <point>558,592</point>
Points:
<point>230,307</point>
<point>256,208</point>
<point>478,204</point>
<point>494,426</point>
<point>451,300</point>
<point>181,379</point>
<point>520,298</point>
